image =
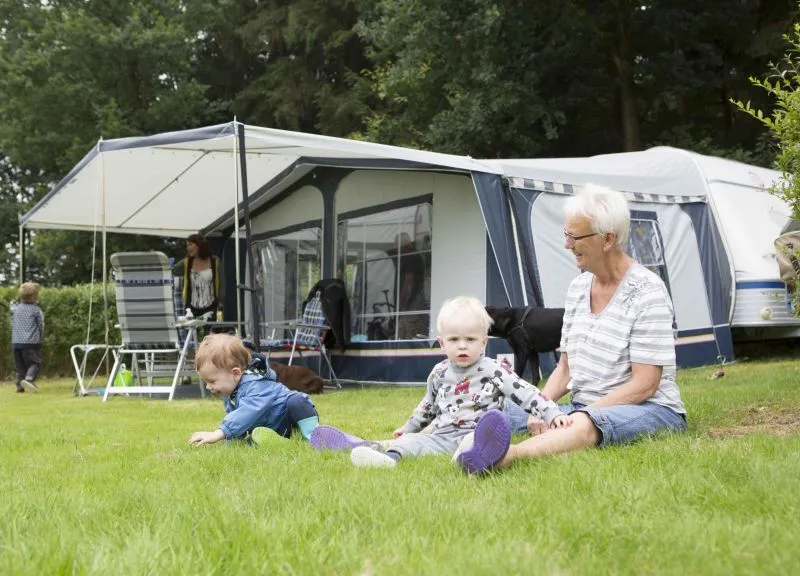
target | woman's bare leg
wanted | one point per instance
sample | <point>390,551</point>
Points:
<point>581,434</point>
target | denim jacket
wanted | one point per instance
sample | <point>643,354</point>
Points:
<point>258,400</point>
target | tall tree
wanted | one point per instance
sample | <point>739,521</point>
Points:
<point>698,55</point>
<point>71,71</point>
<point>290,64</point>
<point>224,61</point>
<point>16,192</point>
<point>578,77</point>
<point>783,84</point>
<point>612,27</point>
<point>468,76</point>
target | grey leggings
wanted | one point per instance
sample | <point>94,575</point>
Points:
<point>419,444</point>
<point>27,361</point>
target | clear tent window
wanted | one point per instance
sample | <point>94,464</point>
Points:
<point>646,247</point>
<point>385,260</point>
<point>287,267</point>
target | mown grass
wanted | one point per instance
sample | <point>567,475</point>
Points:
<point>92,488</point>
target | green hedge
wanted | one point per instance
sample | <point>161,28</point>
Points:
<point>66,312</point>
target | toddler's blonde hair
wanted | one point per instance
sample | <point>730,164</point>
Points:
<point>29,292</point>
<point>460,309</point>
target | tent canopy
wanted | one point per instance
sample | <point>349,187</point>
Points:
<point>177,183</point>
<point>660,171</point>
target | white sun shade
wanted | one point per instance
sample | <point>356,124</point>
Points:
<point>178,183</point>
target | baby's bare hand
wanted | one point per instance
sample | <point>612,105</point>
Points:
<point>195,438</point>
<point>200,438</point>
<point>536,426</point>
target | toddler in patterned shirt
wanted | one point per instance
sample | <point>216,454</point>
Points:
<point>460,391</point>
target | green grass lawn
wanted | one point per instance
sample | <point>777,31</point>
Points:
<point>93,488</point>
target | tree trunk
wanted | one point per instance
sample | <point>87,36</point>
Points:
<point>623,64</point>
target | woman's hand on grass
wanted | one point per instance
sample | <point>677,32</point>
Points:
<point>397,433</point>
<point>562,421</point>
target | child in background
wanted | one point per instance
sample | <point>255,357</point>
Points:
<point>258,408</point>
<point>27,330</point>
<point>462,390</point>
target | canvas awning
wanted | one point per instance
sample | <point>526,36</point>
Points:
<point>661,174</point>
<point>177,183</point>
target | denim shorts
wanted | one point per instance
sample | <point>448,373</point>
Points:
<point>617,424</point>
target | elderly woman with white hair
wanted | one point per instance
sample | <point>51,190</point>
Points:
<point>617,348</point>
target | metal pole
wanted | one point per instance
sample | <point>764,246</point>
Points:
<point>248,241</point>
<point>237,255</point>
<point>105,265</point>
<point>21,254</point>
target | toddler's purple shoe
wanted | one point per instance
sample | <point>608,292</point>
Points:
<point>491,441</point>
<point>330,438</point>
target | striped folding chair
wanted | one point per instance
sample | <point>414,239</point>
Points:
<point>307,335</point>
<point>149,328</point>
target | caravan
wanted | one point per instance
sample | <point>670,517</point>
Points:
<point>392,221</point>
<point>706,225</point>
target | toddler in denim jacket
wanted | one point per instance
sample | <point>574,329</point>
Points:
<point>258,408</point>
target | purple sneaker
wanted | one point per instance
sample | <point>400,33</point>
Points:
<point>491,442</point>
<point>330,438</point>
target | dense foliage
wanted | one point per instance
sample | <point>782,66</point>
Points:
<point>66,312</point>
<point>487,78</point>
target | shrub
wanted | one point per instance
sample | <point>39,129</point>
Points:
<point>66,312</point>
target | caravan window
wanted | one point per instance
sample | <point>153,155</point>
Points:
<point>287,266</point>
<point>644,246</point>
<point>385,258</point>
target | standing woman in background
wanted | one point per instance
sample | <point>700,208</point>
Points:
<point>203,288</point>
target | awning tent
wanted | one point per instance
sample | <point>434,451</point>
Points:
<point>690,210</point>
<point>738,193</point>
<point>177,183</point>
<point>726,206</point>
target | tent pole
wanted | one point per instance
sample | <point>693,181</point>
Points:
<point>237,254</point>
<point>248,241</point>
<point>105,266</point>
<point>21,254</point>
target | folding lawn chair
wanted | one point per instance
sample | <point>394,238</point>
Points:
<point>146,312</point>
<point>84,381</point>
<point>307,335</point>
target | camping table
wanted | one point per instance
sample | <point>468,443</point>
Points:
<point>225,326</point>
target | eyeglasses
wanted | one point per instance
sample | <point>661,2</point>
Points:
<point>572,238</point>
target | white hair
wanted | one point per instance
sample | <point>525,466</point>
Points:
<point>460,310</point>
<point>606,209</point>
